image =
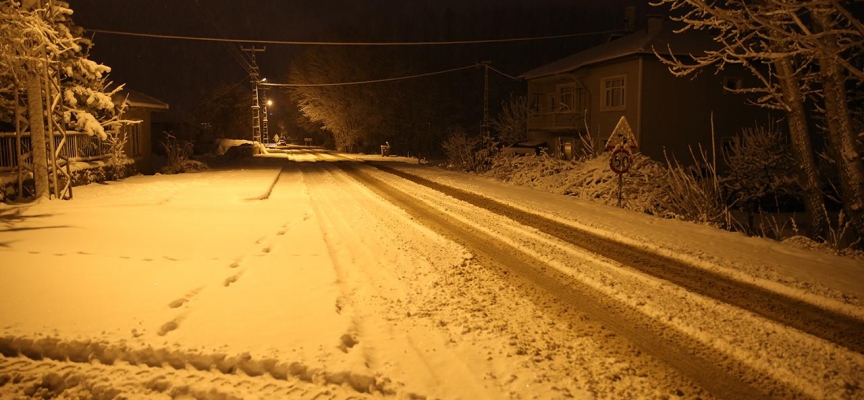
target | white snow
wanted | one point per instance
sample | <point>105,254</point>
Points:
<point>221,283</point>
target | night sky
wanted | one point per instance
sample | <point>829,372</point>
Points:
<point>178,71</point>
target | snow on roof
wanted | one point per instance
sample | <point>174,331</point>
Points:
<point>641,42</point>
<point>140,100</point>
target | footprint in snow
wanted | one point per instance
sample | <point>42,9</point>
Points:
<point>177,303</point>
<point>231,279</point>
<point>169,326</point>
<point>347,342</point>
<point>183,300</point>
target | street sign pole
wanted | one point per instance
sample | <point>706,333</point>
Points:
<point>621,142</point>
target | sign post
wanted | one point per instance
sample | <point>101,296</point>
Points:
<point>621,142</point>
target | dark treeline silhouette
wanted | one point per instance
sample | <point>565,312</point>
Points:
<point>414,116</point>
<point>419,112</point>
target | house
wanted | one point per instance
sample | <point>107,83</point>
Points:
<point>84,151</point>
<point>139,136</point>
<point>623,77</point>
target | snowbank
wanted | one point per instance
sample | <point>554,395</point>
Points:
<point>222,145</point>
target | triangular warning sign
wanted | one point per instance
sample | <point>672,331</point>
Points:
<point>623,135</point>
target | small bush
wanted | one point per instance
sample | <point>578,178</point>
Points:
<point>761,174</point>
<point>459,148</point>
<point>511,123</point>
<point>116,159</point>
<point>178,155</point>
<point>694,193</point>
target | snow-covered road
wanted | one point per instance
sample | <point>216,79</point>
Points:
<point>342,280</point>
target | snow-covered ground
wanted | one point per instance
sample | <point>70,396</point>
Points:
<point>222,284</point>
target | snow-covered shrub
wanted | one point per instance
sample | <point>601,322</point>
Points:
<point>761,170</point>
<point>178,155</point>
<point>589,179</point>
<point>588,148</point>
<point>530,169</point>
<point>642,186</point>
<point>694,193</point>
<point>115,155</point>
<point>775,227</point>
<point>485,153</point>
<point>840,233</point>
<point>460,148</point>
<point>511,123</point>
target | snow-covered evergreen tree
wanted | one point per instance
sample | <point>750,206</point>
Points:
<point>40,34</point>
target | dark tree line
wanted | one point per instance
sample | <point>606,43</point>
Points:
<point>415,116</point>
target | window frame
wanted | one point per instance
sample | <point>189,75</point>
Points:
<point>606,93</point>
<point>571,108</point>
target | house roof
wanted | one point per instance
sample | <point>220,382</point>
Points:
<point>140,100</point>
<point>641,42</point>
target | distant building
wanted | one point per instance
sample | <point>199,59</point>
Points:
<point>623,77</point>
<point>139,145</point>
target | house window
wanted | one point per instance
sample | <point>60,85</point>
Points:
<point>134,140</point>
<point>613,92</point>
<point>567,98</point>
<point>535,103</point>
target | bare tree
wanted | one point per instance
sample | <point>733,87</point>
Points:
<point>224,111</point>
<point>511,123</point>
<point>353,113</point>
<point>748,35</point>
<point>831,36</point>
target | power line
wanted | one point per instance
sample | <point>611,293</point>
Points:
<point>369,81</point>
<point>232,48</point>
<point>502,73</point>
<point>319,43</point>
<point>226,91</point>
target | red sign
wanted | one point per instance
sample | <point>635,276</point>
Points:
<point>620,161</point>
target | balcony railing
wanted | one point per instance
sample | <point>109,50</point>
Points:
<point>78,147</point>
<point>554,121</point>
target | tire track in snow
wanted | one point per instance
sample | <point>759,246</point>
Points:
<point>375,297</point>
<point>343,257</point>
<point>826,324</point>
<point>661,343</point>
<point>51,368</point>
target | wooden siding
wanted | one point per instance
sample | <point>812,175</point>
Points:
<point>677,111</point>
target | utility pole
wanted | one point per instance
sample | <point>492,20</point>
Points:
<point>484,127</point>
<point>265,126</point>
<point>255,77</point>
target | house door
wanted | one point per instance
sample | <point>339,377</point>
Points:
<point>565,147</point>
